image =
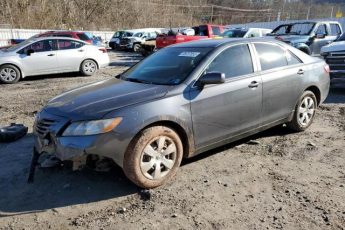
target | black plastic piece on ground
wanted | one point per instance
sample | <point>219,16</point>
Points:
<point>12,132</point>
<point>34,160</point>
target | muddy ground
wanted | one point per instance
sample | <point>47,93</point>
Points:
<point>282,180</point>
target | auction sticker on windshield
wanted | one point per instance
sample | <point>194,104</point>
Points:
<point>189,54</point>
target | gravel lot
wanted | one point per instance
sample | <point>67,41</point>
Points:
<point>282,180</point>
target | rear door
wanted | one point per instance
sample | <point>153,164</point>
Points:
<point>43,60</point>
<point>282,74</point>
<point>70,54</point>
<point>226,110</point>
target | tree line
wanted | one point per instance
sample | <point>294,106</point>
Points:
<point>124,14</point>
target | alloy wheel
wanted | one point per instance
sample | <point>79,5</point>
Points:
<point>8,74</point>
<point>306,111</point>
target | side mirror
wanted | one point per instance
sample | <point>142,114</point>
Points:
<point>30,51</point>
<point>320,35</point>
<point>212,78</point>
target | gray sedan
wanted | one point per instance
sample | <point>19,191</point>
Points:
<point>181,101</point>
<point>48,55</point>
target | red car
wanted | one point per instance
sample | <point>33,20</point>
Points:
<point>85,36</point>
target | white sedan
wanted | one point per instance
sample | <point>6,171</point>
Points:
<point>49,55</point>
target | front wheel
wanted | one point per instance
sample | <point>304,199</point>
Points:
<point>9,74</point>
<point>88,67</point>
<point>304,112</point>
<point>136,48</point>
<point>153,157</point>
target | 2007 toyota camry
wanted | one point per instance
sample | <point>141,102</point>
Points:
<point>181,101</point>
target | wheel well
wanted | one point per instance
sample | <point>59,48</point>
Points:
<point>91,60</point>
<point>178,129</point>
<point>21,73</point>
<point>317,93</point>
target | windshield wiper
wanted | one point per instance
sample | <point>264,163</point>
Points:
<point>137,80</point>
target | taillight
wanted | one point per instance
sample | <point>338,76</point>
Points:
<point>104,50</point>
<point>327,69</point>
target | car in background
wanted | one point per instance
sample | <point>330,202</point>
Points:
<point>334,54</point>
<point>245,32</point>
<point>308,36</point>
<point>135,38</point>
<point>181,101</point>
<point>48,55</point>
<point>189,34</point>
<point>114,42</point>
<point>80,35</point>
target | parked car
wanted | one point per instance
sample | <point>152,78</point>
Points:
<point>308,36</point>
<point>334,55</point>
<point>136,38</point>
<point>84,36</point>
<point>114,42</point>
<point>200,32</point>
<point>245,32</point>
<point>181,101</point>
<point>38,56</point>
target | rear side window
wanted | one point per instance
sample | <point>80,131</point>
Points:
<point>292,59</point>
<point>234,61</point>
<point>335,30</point>
<point>69,44</point>
<point>271,56</point>
<point>83,36</point>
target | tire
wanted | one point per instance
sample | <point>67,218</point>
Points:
<point>304,112</point>
<point>88,67</point>
<point>136,48</point>
<point>140,167</point>
<point>9,74</point>
<point>12,132</point>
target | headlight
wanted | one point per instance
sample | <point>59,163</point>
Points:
<point>92,127</point>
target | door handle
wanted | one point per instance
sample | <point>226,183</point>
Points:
<point>300,72</point>
<point>253,84</point>
<point>50,55</point>
<point>81,50</point>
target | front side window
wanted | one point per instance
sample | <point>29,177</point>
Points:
<point>139,35</point>
<point>69,44</point>
<point>271,56</point>
<point>216,30</point>
<point>169,66</point>
<point>41,46</point>
<point>321,29</point>
<point>234,61</point>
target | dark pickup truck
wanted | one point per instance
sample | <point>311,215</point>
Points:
<point>308,36</point>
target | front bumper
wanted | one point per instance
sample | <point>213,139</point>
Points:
<point>48,139</point>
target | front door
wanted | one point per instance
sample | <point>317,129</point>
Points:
<point>228,109</point>
<point>42,60</point>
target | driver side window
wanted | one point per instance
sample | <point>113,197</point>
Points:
<point>234,61</point>
<point>41,46</point>
<point>321,30</point>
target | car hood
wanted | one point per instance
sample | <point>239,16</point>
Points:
<point>333,47</point>
<point>95,100</point>
<point>294,38</point>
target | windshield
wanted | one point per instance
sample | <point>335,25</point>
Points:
<point>234,33</point>
<point>18,46</point>
<point>169,66</point>
<point>296,29</point>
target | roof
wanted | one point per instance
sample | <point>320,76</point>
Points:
<point>213,43</point>
<point>55,37</point>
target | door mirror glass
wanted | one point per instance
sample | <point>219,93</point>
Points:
<point>212,78</point>
<point>30,51</point>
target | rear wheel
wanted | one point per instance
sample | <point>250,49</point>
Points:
<point>153,157</point>
<point>304,112</point>
<point>88,67</point>
<point>9,74</point>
